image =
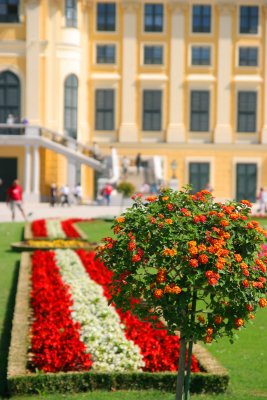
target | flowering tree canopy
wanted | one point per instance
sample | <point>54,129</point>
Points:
<point>189,260</point>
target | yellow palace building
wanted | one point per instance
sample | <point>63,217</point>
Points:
<point>180,79</point>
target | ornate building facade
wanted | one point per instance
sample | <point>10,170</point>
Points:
<point>182,79</point>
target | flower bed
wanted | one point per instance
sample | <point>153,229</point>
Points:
<point>53,244</point>
<point>69,298</point>
<point>117,341</point>
<point>56,229</point>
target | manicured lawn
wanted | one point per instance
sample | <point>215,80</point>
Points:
<point>246,360</point>
<point>96,230</point>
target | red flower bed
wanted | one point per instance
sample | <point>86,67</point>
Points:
<point>39,228</point>
<point>55,342</point>
<point>160,351</point>
<point>68,228</point>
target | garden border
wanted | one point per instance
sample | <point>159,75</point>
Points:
<point>29,236</point>
<point>21,381</point>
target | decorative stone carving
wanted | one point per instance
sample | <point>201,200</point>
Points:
<point>87,4</point>
<point>130,5</point>
<point>176,6</point>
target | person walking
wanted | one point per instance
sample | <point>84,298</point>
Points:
<point>64,198</point>
<point>107,193</point>
<point>125,166</point>
<point>14,199</point>
<point>53,194</point>
<point>78,193</point>
<point>138,163</point>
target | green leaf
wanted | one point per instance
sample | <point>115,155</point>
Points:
<point>152,270</point>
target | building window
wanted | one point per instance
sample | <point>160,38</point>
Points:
<point>201,19</point>
<point>71,13</point>
<point>249,18</point>
<point>248,56</point>
<point>106,54</point>
<point>153,55</point>
<point>247,104</point>
<point>153,17</point>
<point>246,181</point>
<point>9,100</point>
<point>104,115</point>
<point>199,175</point>
<point>71,105</point>
<point>152,104</point>
<point>9,10</point>
<point>200,104</point>
<point>106,17</point>
<point>200,55</point>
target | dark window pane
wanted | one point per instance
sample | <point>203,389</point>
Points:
<point>105,54</point>
<point>246,182</point>
<point>201,19</point>
<point>153,18</point>
<point>200,103</point>
<point>104,114</point>
<point>199,175</point>
<point>152,105</point>
<point>9,97</point>
<point>247,105</point>
<point>153,55</point>
<point>71,105</point>
<point>249,19</point>
<point>248,56</point>
<point>106,16</point>
<point>200,55</point>
<point>9,11</point>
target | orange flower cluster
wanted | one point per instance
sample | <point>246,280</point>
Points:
<point>239,322</point>
<point>212,277</point>
<point>169,252</point>
<point>263,302</point>
<point>218,320</point>
<point>120,220</point>
<point>151,199</point>
<point>161,275</point>
<point>168,221</point>
<point>208,338</point>
<point>172,289</point>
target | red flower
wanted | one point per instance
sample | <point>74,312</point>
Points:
<point>203,259</point>
<point>136,258</point>
<point>193,262</point>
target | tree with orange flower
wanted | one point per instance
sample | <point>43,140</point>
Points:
<point>190,261</point>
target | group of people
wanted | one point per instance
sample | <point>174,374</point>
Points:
<point>62,196</point>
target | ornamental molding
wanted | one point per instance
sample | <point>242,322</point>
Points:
<point>177,6</point>
<point>226,8</point>
<point>87,4</point>
<point>130,5</point>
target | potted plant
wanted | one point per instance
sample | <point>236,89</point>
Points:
<point>191,261</point>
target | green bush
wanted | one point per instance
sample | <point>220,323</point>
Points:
<point>89,381</point>
<point>127,189</point>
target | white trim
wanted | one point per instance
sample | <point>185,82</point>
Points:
<point>245,160</point>
<point>248,79</point>
<point>153,78</point>
<point>105,76</point>
<point>201,78</point>
<point>200,159</point>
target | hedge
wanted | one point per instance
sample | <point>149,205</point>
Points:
<point>22,381</point>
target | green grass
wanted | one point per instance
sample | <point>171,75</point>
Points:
<point>246,359</point>
<point>96,230</point>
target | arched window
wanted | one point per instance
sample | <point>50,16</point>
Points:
<point>9,98</point>
<point>71,105</point>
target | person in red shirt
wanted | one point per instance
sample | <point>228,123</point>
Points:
<point>14,198</point>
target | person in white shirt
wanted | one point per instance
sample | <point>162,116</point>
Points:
<point>78,193</point>
<point>64,199</point>
<point>262,197</point>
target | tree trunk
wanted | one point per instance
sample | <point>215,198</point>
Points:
<point>181,368</point>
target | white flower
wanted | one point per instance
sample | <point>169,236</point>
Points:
<point>101,329</point>
<point>54,229</point>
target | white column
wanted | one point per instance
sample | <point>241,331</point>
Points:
<point>32,61</point>
<point>264,130</point>
<point>71,174</point>
<point>176,128</point>
<point>223,129</point>
<point>128,128</point>
<point>27,171</point>
<point>36,172</point>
